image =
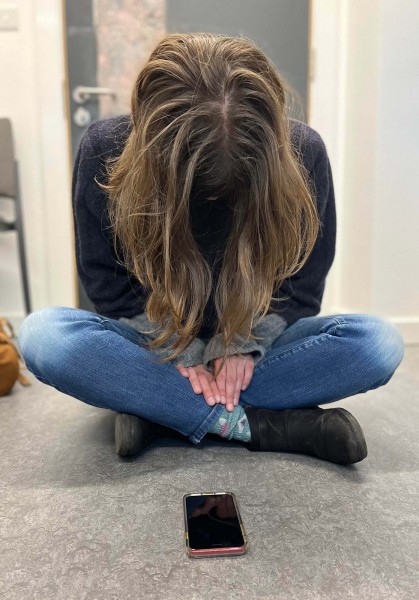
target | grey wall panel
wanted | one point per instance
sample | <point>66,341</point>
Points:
<point>279,27</point>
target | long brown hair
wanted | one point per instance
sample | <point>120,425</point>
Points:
<point>210,113</point>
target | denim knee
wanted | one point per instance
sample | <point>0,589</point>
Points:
<point>385,345</point>
<point>36,338</point>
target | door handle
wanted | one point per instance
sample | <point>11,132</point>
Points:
<point>82,93</point>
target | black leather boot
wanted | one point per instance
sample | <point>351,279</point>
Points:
<point>133,434</point>
<point>333,434</point>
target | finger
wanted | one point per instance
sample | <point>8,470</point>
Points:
<point>221,382</point>
<point>231,383</point>
<point>206,389</point>
<point>214,387</point>
<point>215,390</point>
<point>241,363</point>
<point>193,378</point>
<point>248,373</point>
<point>182,370</point>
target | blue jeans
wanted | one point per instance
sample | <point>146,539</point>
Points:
<point>103,362</point>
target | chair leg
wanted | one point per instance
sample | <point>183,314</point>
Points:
<point>21,244</point>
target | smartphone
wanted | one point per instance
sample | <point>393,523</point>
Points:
<point>213,525</point>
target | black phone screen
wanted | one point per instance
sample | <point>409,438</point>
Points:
<point>213,522</point>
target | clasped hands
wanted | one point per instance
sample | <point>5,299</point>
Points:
<point>234,377</point>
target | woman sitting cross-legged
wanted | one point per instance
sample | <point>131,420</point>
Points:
<point>205,226</point>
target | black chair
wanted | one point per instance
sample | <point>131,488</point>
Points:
<point>9,189</point>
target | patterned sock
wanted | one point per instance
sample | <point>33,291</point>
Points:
<point>232,425</point>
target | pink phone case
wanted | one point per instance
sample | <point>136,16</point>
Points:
<point>212,552</point>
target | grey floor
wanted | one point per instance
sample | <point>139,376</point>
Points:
<point>78,522</point>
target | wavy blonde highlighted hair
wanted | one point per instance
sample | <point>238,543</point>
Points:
<point>210,113</point>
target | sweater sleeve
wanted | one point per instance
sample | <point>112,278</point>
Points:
<point>304,290</point>
<point>107,283</point>
<point>193,355</point>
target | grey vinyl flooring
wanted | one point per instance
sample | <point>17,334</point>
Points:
<point>78,522</point>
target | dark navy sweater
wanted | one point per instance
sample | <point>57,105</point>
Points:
<point>116,293</point>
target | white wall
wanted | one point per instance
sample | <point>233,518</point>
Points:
<point>31,75</point>
<point>396,210</point>
<point>364,102</point>
<point>364,99</point>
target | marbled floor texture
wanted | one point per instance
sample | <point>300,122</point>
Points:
<point>78,522</point>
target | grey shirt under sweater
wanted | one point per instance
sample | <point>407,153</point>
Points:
<point>203,351</point>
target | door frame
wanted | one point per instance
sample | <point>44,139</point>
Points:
<point>60,287</point>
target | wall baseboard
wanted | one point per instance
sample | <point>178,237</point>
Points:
<point>407,326</point>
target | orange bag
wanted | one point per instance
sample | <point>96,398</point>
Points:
<point>11,360</point>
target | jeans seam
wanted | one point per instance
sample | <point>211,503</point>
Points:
<point>264,362</point>
<point>135,336</point>
<point>339,322</point>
